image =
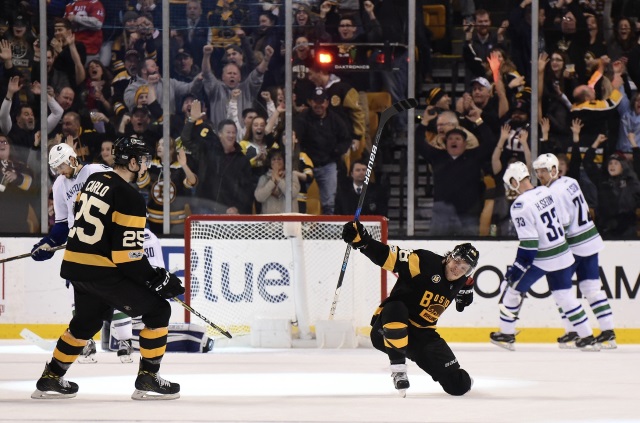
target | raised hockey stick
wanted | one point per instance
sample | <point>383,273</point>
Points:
<point>21,256</point>
<point>209,322</point>
<point>390,112</point>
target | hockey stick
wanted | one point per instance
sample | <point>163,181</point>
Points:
<point>21,256</point>
<point>37,340</point>
<point>390,112</point>
<point>209,322</point>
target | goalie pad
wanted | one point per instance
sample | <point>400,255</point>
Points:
<point>182,337</point>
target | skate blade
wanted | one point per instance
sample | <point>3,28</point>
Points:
<point>125,358</point>
<point>38,394</point>
<point>608,345</point>
<point>591,348</point>
<point>152,396</point>
<point>402,393</point>
<point>87,360</point>
<point>567,345</point>
<point>506,345</point>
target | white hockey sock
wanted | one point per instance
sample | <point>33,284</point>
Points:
<point>601,309</point>
<point>512,300</point>
<point>574,311</point>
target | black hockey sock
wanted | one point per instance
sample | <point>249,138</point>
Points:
<point>153,343</point>
<point>396,340</point>
<point>66,352</point>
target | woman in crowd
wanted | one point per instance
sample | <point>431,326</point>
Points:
<point>97,88</point>
<point>271,188</point>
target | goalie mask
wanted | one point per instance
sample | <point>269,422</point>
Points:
<point>517,171</point>
<point>547,161</point>
<point>62,154</point>
<point>466,253</point>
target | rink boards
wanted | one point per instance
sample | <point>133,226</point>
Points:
<point>34,296</point>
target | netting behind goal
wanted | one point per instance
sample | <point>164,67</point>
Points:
<point>242,268</point>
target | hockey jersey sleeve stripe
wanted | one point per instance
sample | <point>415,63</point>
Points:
<point>26,182</point>
<point>392,257</point>
<point>414,264</point>
<point>529,244</point>
<point>88,259</point>
<point>128,221</point>
<point>126,256</point>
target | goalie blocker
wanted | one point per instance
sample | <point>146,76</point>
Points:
<point>182,337</point>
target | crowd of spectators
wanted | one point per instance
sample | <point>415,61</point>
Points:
<point>587,63</point>
<point>227,103</point>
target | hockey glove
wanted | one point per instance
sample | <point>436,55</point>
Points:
<point>166,284</point>
<point>465,295</point>
<point>515,273</point>
<point>355,234</point>
<point>42,250</point>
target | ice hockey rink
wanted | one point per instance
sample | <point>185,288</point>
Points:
<point>536,383</point>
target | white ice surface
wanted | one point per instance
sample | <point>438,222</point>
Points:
<point>537,383</point>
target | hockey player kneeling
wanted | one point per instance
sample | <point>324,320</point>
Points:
<point>105,262</point>
<point>404,325</point>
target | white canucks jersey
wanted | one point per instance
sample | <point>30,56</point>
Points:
<point>536,220</point>
<point>65,191</point>
<point>153,249</point>
<point>581,234</point>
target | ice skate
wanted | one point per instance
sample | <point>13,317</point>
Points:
<point>568,341</point>
<point>503,340</point>
<point>400,379</point>
<point>588,343</point>
<point>607,340</point>
<point>125,349</point>
<point>150,386</point>
<point>52,386</point>
<point>88,354</point>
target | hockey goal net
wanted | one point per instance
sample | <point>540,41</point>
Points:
<point>242,268</point>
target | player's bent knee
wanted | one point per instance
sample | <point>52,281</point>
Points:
<point>456,383</point>
<point>159,316</point>
<point>589,287</point>
<point>84,329</point>
<point>565,298</point>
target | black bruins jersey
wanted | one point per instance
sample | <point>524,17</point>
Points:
<point>108,234</point>
<point>421,285</point>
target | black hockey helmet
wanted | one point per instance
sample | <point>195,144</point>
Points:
<point>125,148</point>
<point>468,253</point>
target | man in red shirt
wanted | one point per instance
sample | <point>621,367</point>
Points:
<point>87,17</point>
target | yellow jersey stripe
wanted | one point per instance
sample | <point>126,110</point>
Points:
<point>390,263</point>
<point>88,259</point>
<point>128,221</point>
<point>414,264</point>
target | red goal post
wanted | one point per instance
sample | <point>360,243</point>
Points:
<point>239,268</point>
